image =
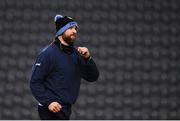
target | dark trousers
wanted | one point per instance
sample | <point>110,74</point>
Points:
<point>46,114</point>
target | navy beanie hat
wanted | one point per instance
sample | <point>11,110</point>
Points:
<point>63,23</point>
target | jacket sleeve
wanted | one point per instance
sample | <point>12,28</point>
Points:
<point>40,71</point>
<point>88,69</point>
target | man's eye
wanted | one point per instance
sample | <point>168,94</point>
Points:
<point>71,27</point>
<point>74,27</point>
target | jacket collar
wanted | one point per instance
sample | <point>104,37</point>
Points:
<point>64,48</point>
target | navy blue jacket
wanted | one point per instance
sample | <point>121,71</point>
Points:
<point>56,75</point>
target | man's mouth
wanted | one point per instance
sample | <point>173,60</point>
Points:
<point>74,35</point>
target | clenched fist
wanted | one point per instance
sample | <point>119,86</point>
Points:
<point>54,107</point>
<point>84,52</point>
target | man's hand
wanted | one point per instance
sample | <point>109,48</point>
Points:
<point>54,107</point>
<point>84,52</point>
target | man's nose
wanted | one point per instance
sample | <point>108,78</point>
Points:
<point>74,30</point>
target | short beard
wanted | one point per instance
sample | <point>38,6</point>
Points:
<point>68,39</point>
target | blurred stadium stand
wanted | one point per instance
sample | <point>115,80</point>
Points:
<point>136,44</point>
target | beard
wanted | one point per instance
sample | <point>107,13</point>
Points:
<point>69,39</point>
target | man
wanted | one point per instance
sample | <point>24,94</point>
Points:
<point>57,72</point>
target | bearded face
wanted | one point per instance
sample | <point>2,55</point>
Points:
<point>70,35</point>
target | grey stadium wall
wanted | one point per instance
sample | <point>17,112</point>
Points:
<point>135,43</point>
